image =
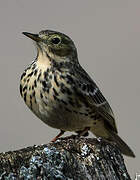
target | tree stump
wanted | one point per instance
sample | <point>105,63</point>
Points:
<point>66,159</point>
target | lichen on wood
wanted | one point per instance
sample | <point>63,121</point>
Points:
<point>66,159</point>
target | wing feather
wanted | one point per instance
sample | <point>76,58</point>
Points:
<point>90,94</point>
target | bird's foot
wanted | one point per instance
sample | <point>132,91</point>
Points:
<point>84,132</point>
<point>59,135</point>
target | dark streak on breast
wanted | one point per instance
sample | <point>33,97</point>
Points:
<point>33,94</point>
<point>20,89</point>
<point>55,92</point>
<point>35,72</point>
<point>56,82</point>
<point>64,102</point>
<point>25,96</point>
<point>30,74</point>
<point>39,76</point>
<point>23,75</point>
<point>35,84</point>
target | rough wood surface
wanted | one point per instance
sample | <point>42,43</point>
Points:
<point>66,159</point>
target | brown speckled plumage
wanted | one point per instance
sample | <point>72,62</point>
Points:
<point>58,90</point>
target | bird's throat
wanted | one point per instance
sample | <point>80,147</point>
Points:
<point>43,61</point>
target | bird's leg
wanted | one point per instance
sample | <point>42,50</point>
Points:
<point>84,132</point>
<point>59,135</point>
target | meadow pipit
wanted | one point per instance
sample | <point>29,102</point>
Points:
<point>59,91</point>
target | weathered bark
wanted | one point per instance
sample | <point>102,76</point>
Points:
<point>67,158</point>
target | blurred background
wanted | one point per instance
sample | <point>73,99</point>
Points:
<point>107,36</point>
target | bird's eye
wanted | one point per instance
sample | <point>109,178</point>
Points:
<point>56,40</point>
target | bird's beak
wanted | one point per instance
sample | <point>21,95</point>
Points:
<point>34,37</point>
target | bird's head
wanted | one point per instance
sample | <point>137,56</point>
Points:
<point>54,45</point>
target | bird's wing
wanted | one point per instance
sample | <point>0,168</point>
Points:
<point>90,94</point>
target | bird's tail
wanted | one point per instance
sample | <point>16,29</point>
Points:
<point>124,148</point>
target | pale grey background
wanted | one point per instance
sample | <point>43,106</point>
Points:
<point>107,35</point>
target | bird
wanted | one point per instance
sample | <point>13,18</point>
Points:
<point>60,92</point>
